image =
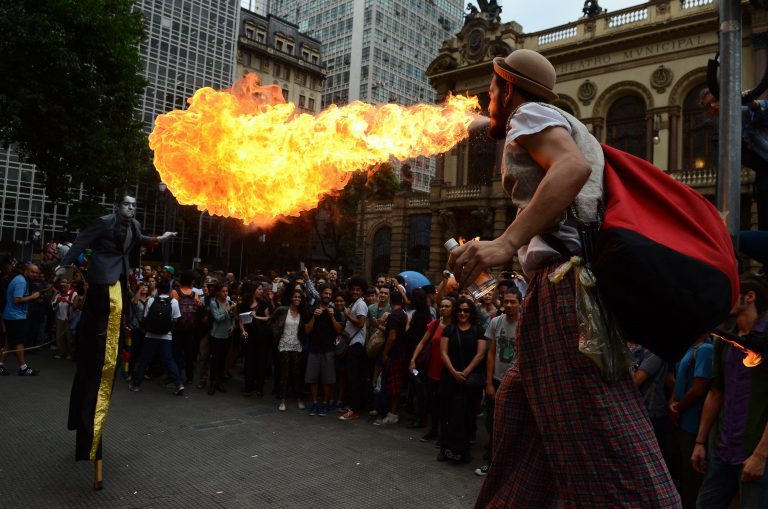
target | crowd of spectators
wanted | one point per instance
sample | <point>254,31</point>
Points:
<point>431,356</point>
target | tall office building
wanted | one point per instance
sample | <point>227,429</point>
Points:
<point>190,44</point>
<point>377,51</point>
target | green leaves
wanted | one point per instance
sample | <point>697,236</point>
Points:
<point>69,86</point>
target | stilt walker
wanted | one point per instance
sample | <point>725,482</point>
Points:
<point>115,240</point>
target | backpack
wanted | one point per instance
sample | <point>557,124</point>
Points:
<point>158,319</point>
<point>189,312</point>
<point>665,265</point>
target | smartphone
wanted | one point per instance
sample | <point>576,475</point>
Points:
<point>302,266</point>
<point>274,287</point>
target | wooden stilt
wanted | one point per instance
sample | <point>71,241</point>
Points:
<point>97,475</point>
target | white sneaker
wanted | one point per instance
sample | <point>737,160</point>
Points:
<point>373,413</point>
<point>301,405</point>
<point>379,421</point>
<point>391,418</point>
<point>281,407</point>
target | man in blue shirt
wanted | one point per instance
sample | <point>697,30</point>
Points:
<point>694,374</point>
<point>15,317</point>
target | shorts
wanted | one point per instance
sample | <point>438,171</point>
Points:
<point>15,331</point>
<point>320,368</point>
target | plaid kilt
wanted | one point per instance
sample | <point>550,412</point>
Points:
<point>560,431</point>
<point>395,376</point>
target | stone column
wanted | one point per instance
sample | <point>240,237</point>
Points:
<point>674,139</point>
<point>399,233</point>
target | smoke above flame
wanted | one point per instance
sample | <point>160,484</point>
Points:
<point>246,153</point>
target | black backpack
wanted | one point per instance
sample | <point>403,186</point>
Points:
<point>158,319</point>
<point>190,313</point>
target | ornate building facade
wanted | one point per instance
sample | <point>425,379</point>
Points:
<point>274,49</point>
<point>633,76</point>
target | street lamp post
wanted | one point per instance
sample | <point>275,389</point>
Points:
<point>166,245</point>
<point>197,260</point>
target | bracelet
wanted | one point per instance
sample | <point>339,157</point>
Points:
<point>701,443</point>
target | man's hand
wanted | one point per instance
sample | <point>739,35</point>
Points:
<point>674,413</point>
<point>490,390</point>
<point>459,376</point>
<point>753,468</point>
<point>469,260</point>
<point>34,295</point>
<point>699,459</point>
<point>318,311</point>
<point>165,236</point>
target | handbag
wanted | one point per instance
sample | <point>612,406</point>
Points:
<point>375,344</point>
<point>342,345</point>
<point>343,341</point>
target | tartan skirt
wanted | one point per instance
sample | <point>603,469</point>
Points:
<point>395,376</point>
<point>559,430</point>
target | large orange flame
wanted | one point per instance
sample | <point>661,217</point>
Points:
<point>246,153</point>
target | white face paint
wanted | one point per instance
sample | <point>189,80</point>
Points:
<point>127,208</point>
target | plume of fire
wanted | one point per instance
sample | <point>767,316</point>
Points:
<point>246,153</point>
<point>752,358</point>
<point>462,240</point>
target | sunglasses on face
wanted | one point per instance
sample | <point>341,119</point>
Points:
<point>463,310</point>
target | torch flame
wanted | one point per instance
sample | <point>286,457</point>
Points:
<point>246,153</point>
<point>751,360</point>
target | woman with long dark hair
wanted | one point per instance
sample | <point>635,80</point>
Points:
<point>462,348</point>
<point>417,327</point>
<point>223,312</point>
<point>257,338</point>
<point>428,361</point>
<point>288,329</point>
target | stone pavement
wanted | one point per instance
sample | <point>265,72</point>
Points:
<point>213,451</point>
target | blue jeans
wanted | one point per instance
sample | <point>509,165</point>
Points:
<point>723,481</point>
<point>148,352</point>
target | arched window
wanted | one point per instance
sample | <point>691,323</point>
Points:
<point>382,246</point>
<point>698,128</point>
<point>419,231</point>
<point>626,127</point>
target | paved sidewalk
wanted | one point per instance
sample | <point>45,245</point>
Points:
<point>213,451</point>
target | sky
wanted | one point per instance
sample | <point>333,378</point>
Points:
<point>551,13</point>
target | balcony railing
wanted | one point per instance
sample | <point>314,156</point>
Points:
<point>421,201</point>
<point>472,191</point>
<point>607,23</point>
<point>703,178</point>
<point>559,35</point>
<point>627,17</point>
<point>381,206</point>
<point>692,4</point>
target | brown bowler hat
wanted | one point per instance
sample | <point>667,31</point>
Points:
<point>528,70</point>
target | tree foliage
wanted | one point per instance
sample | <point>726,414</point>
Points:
<point>336,219</point>
<point>69,85</point>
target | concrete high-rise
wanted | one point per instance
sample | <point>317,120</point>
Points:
<point>377,51</point>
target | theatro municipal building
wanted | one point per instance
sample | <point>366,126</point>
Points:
<point>633,76</point>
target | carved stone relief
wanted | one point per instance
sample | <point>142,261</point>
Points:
<point>661,78</point>
<point>586,92</point>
